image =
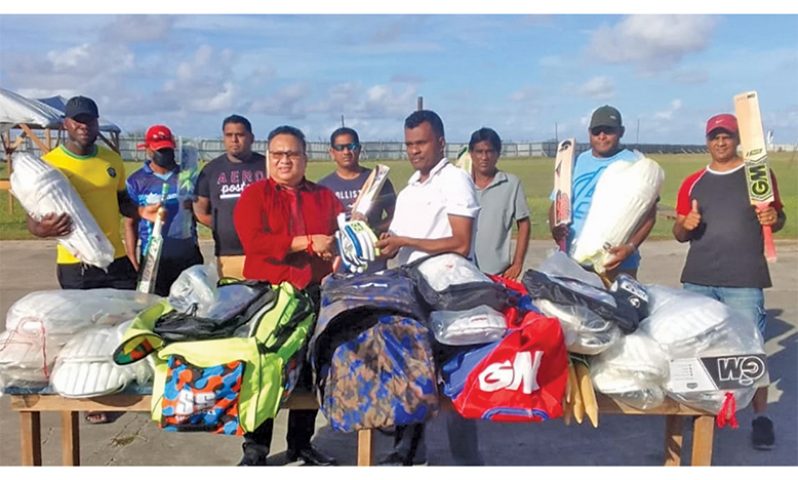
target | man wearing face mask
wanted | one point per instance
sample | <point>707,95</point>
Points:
<point>145,187</point>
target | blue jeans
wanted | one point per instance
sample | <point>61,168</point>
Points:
<point>747,301</point>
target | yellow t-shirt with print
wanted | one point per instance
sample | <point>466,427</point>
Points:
<point>97,178</point>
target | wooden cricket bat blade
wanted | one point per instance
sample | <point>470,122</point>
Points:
<point>755,158</point>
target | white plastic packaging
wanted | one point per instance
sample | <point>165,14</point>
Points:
<point>693,330</point>
<point>195,287</point>
<point>585,332</point>
<point>478,325</point>
<point>624,193</point>
<point>632,370</point>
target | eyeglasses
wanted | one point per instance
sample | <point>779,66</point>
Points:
<point>605,130</point>
<point>290,155</point>
<point>341,147</point>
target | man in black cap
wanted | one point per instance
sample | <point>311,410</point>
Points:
<point>98,175</point>
<point>605,131</point>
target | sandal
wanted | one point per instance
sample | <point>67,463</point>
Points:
<point>99,418</point>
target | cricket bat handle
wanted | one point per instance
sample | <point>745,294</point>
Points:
<point>767,236</point>
<point>770,247</point>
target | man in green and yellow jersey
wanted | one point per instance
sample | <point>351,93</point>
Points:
<point>98,175</point>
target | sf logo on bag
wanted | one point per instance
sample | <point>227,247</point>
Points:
<point>523,372</point>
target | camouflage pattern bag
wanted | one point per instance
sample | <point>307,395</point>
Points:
<point>382,378</point>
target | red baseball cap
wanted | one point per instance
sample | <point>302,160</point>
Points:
<point>725,121</point>
<point>157,137</point>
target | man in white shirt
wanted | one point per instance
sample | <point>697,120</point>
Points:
<point>435,213</point>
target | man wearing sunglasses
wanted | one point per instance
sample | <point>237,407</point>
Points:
<point>605,132</point>
<point>349,177</point>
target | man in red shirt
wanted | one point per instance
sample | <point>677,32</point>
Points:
<point>286,225</point>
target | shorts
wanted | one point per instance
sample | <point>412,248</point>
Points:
<point>79,276</point>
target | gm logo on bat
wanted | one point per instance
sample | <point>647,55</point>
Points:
<point>758,180</point>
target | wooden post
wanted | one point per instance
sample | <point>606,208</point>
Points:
<point>30,433</point>
<point>673,440</point>
<point>420,103</point>
<point>365,448</point>
<point>38,141</point>
<point>703,434</point>
<point>70,438</point>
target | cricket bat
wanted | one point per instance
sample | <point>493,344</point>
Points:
<point>370,190</point>
<point>152,256</point>
<point>755,156</point>
<point>464,161</point>
<point>563,167</point>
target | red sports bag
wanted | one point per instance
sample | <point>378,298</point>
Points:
<point>523,379</point>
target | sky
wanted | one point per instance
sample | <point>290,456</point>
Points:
<point>528,76</point>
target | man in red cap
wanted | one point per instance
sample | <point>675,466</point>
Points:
<point>145,186</point>
<point>725,260</point>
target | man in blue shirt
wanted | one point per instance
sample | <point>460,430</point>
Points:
<point>180,250</point>
<point>605,131</point>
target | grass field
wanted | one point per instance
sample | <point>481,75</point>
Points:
<point>536,175</point>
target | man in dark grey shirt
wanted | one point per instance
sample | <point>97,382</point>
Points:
<point>219,186</point>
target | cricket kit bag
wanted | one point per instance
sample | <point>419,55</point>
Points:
<point>624,306</point>
<point>520,378</point>
<point>223,384</point>
<point>449,281</point>
<point>371,353</point>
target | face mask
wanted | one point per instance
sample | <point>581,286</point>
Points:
<point>164,158</point>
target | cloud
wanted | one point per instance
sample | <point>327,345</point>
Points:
<point>599,88</point>
<point>668,114</point>
<point>138,28</point>
<point>652,42</point>
<point>288,101</point>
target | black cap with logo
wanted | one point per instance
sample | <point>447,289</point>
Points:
<point>77,106</point>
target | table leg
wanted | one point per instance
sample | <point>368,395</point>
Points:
<point>70,438</point>
<point>30,433</point>
<point>673,440</point>
<point>703,436</point>
<point>365,448</point>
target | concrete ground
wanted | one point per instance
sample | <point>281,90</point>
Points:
<point>27,266</point>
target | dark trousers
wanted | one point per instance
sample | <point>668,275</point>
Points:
<point>171,268</point>
<point>120,275</point>
<point>301,423</point>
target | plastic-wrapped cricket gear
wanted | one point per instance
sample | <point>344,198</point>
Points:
<point>633,370</point>
<point>85,366</point>
<point>480,324</point>
<point>714,351</point>
<point>585,332</point>
<point>624,193</point>
<point>42,189</point>
<point>39,324</point>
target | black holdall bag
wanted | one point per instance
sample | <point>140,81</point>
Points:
<point>449,281</point>
<point>624,306</point>
<point>176,326</point>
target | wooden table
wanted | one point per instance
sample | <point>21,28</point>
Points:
<point>30,407</point>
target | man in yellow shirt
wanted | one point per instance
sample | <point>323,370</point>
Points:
<point>98,176</point>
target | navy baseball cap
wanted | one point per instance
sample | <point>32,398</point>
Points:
<point>77,106</point>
